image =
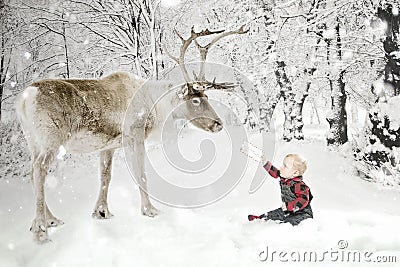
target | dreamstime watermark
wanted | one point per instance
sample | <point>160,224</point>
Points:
<point>339,254</point>
<point>174,178</point>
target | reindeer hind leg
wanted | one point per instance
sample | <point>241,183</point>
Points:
<point>40,169</point>
<point>101,209</point>
<point>51,220</point>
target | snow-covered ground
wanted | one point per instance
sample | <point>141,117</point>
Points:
<point>349,212</point>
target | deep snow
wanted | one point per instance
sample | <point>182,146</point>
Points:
<point>364,214</point>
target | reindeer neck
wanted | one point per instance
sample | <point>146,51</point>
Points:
<point>164,100</point>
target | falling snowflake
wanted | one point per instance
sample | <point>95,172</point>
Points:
<point>27,55</point>
<point>141,112</point>
<point>61,152</point>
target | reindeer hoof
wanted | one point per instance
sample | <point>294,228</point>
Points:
<point>101,213</point>
<point>150,212</point>
<point>39,231</point>
<point>41,239</point>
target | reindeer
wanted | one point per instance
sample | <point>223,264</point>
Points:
<point>88,115</point>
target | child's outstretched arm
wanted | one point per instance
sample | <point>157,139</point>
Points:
<point>271,169</point>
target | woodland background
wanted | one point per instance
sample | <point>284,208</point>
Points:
<point>319,61</point>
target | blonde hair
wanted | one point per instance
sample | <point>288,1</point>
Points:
<point>299,163</point>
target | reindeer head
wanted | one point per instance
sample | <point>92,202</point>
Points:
<point>197,108</point>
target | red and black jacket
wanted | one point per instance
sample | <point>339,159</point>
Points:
<point>294,192</point>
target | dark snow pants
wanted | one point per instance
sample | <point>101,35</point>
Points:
<point>293,218</point>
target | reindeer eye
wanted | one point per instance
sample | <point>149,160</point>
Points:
<point>196,101</point>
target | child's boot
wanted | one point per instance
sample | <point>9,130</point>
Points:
<point>253,217</point>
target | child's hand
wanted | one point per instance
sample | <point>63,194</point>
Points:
<point>263,159</point>
<point>284,206</point>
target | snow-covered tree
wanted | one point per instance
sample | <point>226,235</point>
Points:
<point>55,23</point>
<point>377,148</point>
<point>389,15</point>
<point>337,117</point>
<point>125,31</point>
<point>286,93</point>
<point>8,27</point>
<point>3,60</point>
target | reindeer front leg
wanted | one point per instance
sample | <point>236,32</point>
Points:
<point>138,149</point>
<point>101,209</point>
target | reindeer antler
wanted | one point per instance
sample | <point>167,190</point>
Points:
<point>201,83</point>
<point>184,47</point>
<point>204,49</point>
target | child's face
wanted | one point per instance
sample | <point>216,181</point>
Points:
<point>287,171</point>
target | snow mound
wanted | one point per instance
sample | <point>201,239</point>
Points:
<point>347,210</point>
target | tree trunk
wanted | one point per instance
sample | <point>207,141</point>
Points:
<point>267,111</point>
<point>317,113</point>
<point>2,75</point>
<point>2,57</point>
<point>297,112</point>
<point>149,15</point>
<point>391,47</point>
<point>286,93</point>
<point>1,98</point>
<point>337,117</point>
<point>248,118</point>
<point>64,36</point>
<point>297,117</point>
